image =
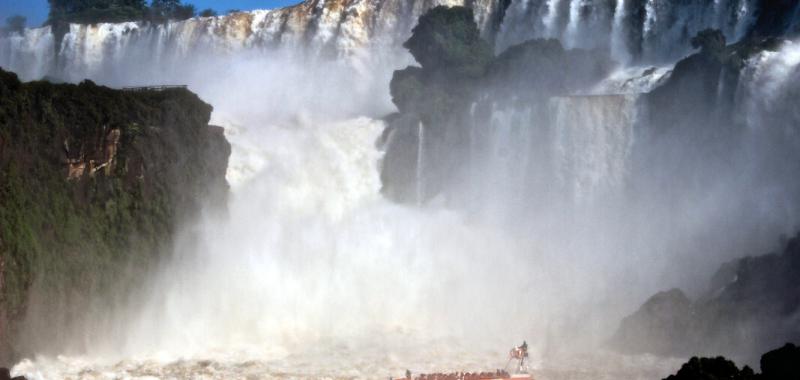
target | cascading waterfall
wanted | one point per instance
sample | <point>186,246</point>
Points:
<point>593,138</point>
<point>551,18</point>
<point>663,33</point>
<point>29,54</point>
<point>361,32</point>
<point>570,40</point>
<point>650,17</point>
<point>421,164</point>
<point>618,34</point>
<point>314,274</point>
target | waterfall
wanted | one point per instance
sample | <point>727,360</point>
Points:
<point>592,139</point>
<point>574,24</point>
<point>30,54</point>
<point>618,50</point>
<point>314,274</point>
<point>551,19</point>
<point>363,32</point>
<point>650,18</point>
<point>420,176</point>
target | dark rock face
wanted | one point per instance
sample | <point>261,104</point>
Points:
<point>92,184</point>
<point>5,374</point>
<point>428,143</point>
<point>542,68</point>
<point>702,87</point>
<point>434,102</point>
<point>757,308</point>
<point>776,18</point>
<point>712,369</point>
<point>662,321</point>
<point>780,364</point>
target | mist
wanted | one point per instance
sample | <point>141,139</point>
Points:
<point>565,214</point>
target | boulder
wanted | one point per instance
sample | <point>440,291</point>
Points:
<point>660,326</point>
<point>717,368</point>
<point>5,374</point>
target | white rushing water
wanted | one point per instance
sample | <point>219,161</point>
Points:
<point>313,274</point>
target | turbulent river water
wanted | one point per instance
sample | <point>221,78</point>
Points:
<point>312,273</point>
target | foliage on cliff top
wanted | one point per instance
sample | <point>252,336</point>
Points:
<point>97,11</point>
<point>141,161</point>
<point>447,39</point>
<point>454,57</point>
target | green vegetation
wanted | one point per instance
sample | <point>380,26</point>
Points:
<point>448,40</point>
<point>161,10</point>
<point>447,43</point>
<point>96,11</point>
<point>207,13</point>
<point>92,183</point>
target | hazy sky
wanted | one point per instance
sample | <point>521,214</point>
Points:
<point>36,10</point>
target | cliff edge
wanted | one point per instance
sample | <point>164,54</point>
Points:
<point>93,182</point>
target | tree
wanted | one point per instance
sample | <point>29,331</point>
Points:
<point>208,12</point>
<point>138,4</point>
<point>164,8</point>
<point>16,24</point>
<point>184,12</point>
<point>94,11</point>
<point>167,5</point>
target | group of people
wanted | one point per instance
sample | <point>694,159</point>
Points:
<point>517,353</point>
<point>499,374</point>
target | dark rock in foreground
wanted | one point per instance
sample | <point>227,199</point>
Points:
<point>753,305</point>
<point>711,369</point>
<point>780,364</point>
<point>5,374</point>
<point>657,322</point>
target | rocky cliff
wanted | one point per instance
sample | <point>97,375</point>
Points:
<point>452,106</point>
<point>92,183</point>
<point>778,364</point>
<point>752,304</point>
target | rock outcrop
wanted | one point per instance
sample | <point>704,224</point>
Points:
<point>93,182</point>
<point>779,364</point>
<point>445,106</point>
<point>753,304</point>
